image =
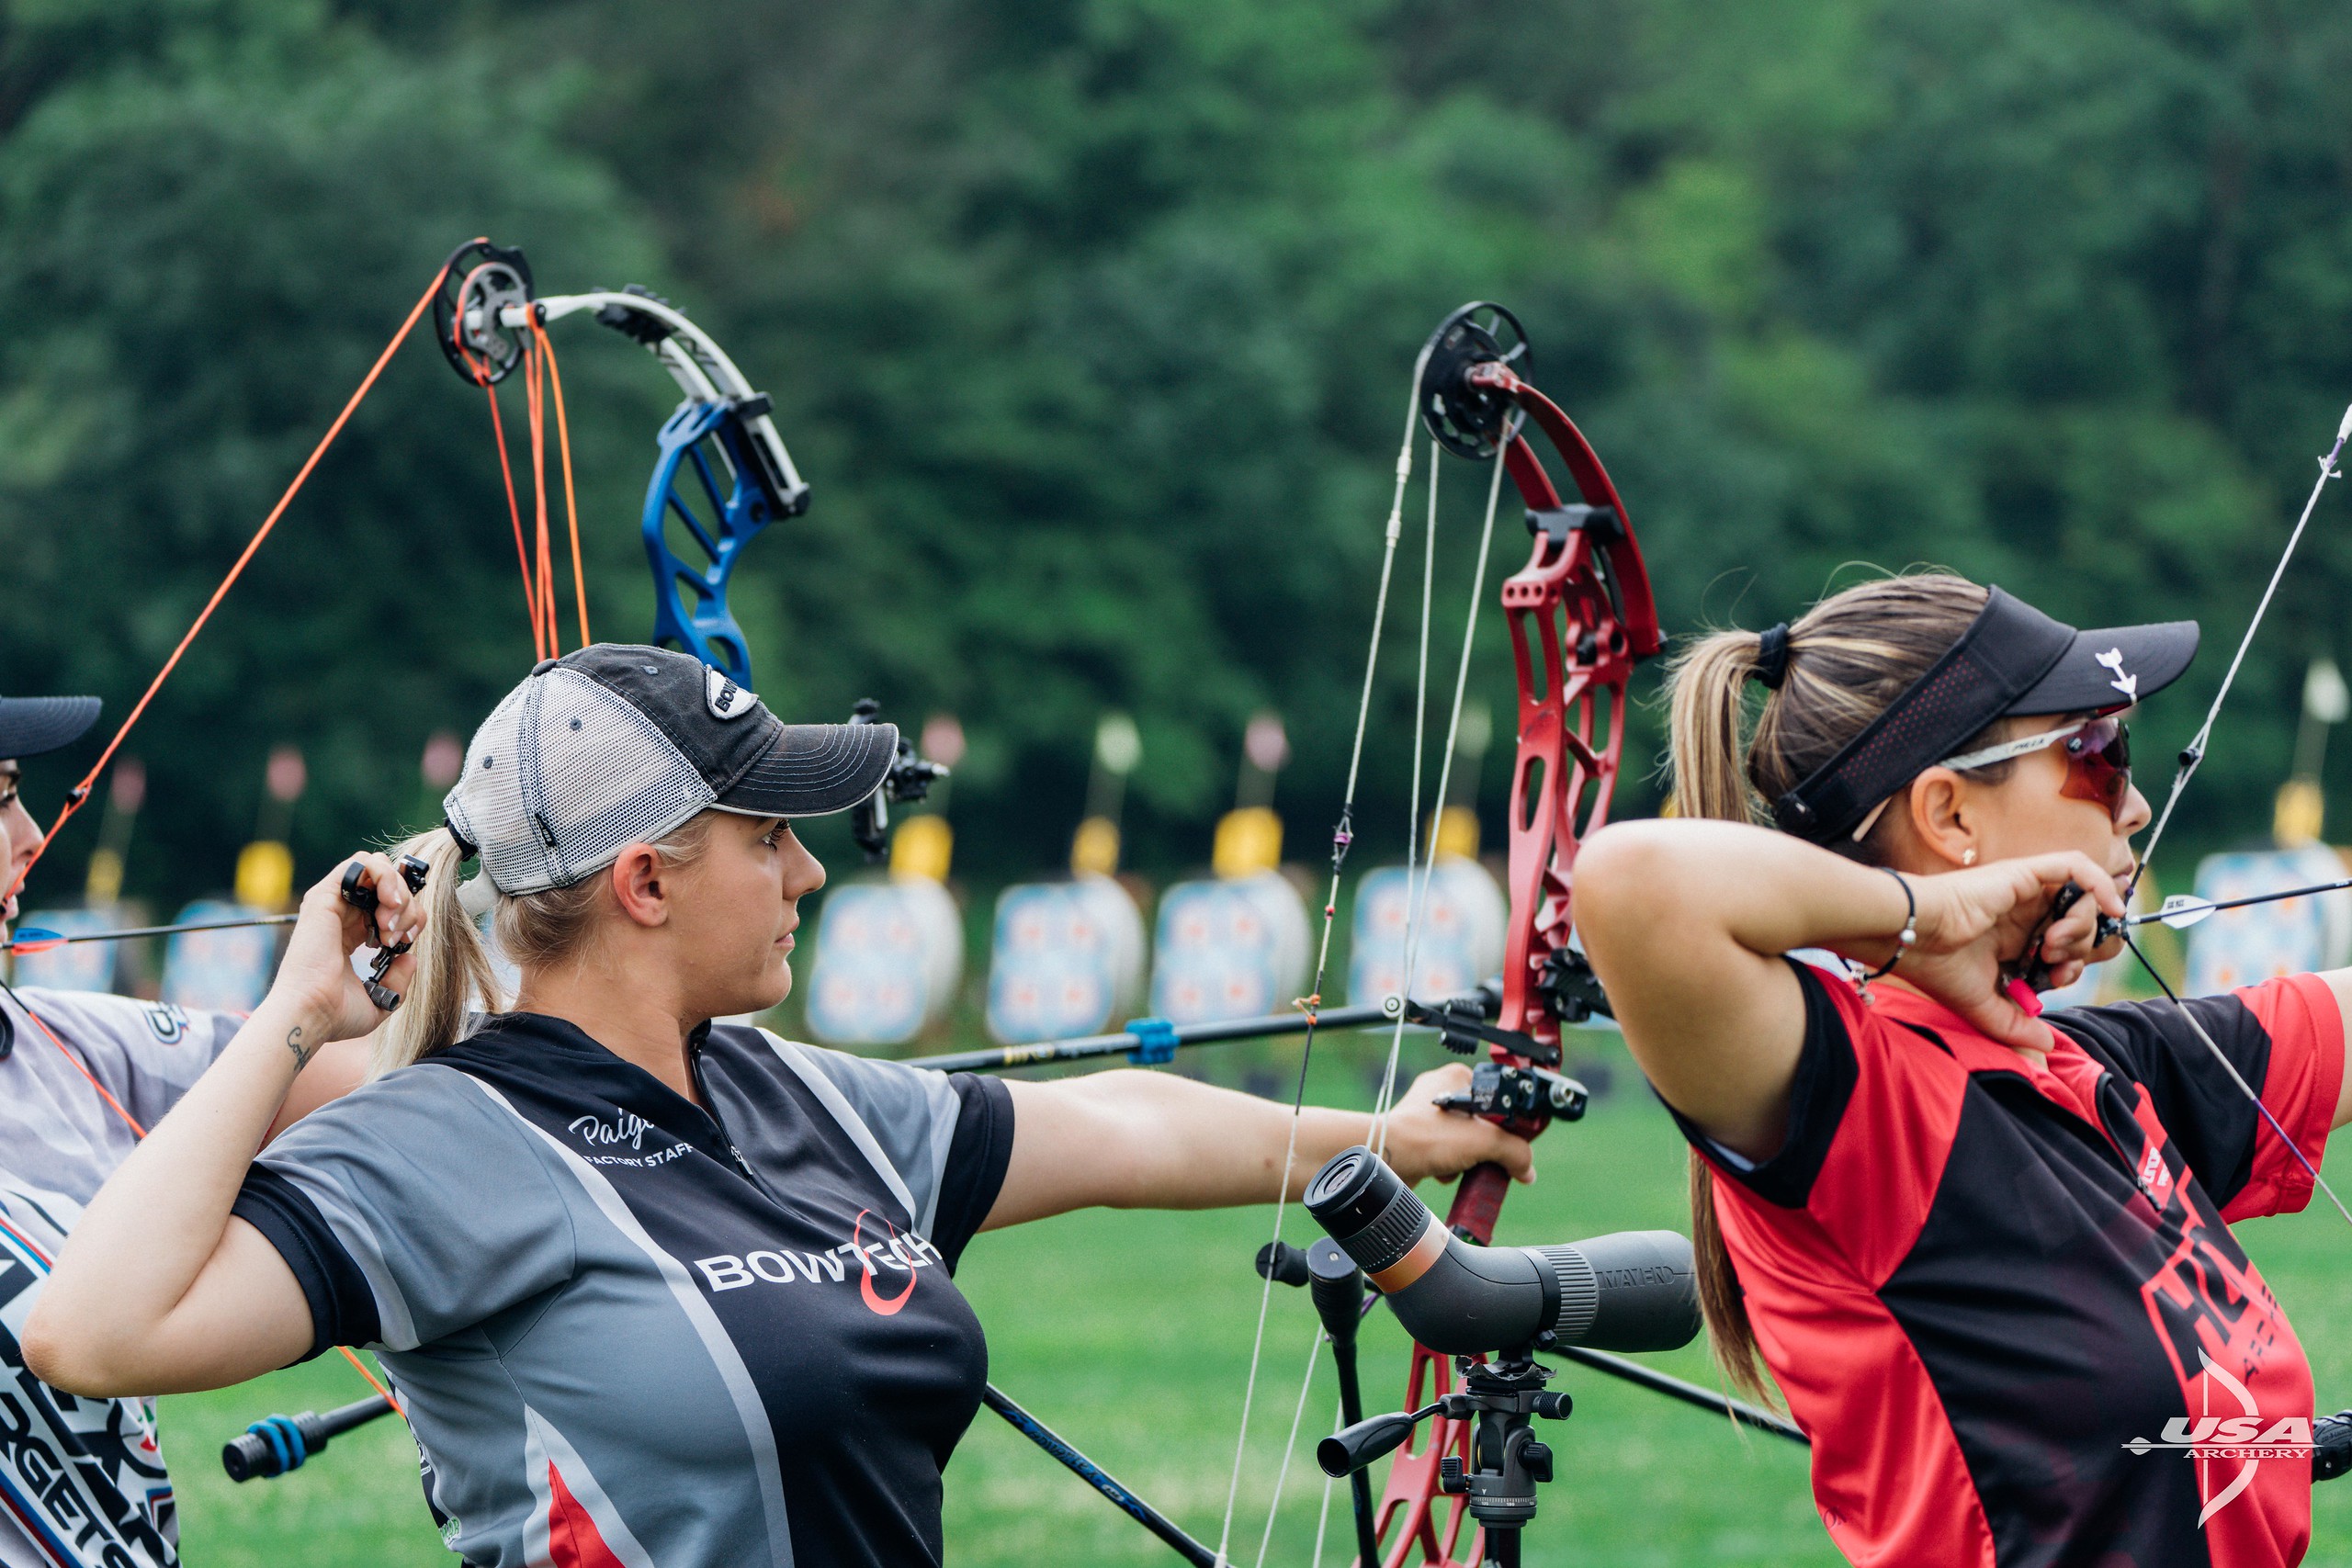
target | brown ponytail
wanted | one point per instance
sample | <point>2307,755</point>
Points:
<point>454,975</point>
<point>1841,665</point>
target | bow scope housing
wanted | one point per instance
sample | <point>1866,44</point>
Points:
<point>1627,1291</point>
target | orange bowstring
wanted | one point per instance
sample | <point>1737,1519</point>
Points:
<point>538,603</point>
<point>570,503</point>
<point>81,792</point>
<point>140,1132</point>
<point>361,1368</point>
<point>79,1066</point>
<point>514,507</point>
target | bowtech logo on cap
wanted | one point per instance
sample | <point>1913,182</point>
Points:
<point>723,697</point>
<point>620,744</point>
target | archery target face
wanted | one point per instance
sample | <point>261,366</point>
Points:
<point>1461,939</point>
<point>1233,949</point>
<point>889,958</point>
<point>1067,957</point>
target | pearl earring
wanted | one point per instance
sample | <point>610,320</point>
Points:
<point>1968,857</point>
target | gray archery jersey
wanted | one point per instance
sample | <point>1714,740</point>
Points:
<point>81,1481</point>
<point>629,1332</point>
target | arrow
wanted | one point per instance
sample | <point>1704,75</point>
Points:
<point>2181,910</point>
<point>33,940</point>
<point>1132,1041</point>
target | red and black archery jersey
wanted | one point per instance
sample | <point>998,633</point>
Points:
<point>1979,1278</point>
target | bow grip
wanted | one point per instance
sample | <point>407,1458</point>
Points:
<point>1478,1202</point>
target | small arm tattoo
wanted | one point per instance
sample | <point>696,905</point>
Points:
<point>294,1044</point>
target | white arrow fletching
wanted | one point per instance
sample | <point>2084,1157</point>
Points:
<point>2181,912</point>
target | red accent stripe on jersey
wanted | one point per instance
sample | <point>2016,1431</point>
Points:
<point>574,1539</point>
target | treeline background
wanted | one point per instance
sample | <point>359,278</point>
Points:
<point>1089,319</point>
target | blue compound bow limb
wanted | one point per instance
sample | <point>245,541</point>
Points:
<point>723,474</point>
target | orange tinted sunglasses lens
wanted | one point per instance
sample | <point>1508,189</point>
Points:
<point>2098,764</point>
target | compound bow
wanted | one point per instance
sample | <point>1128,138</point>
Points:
<point>488,320</point>
<point>1581,616</point>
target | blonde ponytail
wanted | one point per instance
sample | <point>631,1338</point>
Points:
<point>453,976</point>
<point>1837,669</point>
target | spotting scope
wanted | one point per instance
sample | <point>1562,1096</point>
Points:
<point>1627,1291</point>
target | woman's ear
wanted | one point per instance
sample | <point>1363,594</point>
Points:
<point>1942,817</point>
<point>639,887</point>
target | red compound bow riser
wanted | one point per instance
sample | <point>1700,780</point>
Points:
<point>1581,616</point>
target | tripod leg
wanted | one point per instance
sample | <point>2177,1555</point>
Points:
<point>1343,1359</point>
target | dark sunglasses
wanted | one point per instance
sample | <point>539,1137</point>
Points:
<point>2097,754</point>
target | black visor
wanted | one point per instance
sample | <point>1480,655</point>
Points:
<point>31,725</point>
<point>2013,660</point>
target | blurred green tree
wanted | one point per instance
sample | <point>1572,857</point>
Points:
<point>1089,321</point>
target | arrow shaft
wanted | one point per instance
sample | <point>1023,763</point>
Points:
<point>2159,917</point>
<point>1002,1056</point>
<point>131,931</point>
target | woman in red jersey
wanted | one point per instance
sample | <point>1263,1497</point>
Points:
<point>1984,1253</point>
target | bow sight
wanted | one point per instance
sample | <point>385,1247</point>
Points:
<point>485,315</point>
<point>909,779</point>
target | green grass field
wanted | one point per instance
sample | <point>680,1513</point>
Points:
<point>1130,1335</point>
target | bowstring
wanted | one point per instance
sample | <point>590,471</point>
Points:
<point>81,792</point>
<point>1418,909</point>
<point>2230,1067</point>
<point>1413,811</point>
<point>2193,753</point>
<point>1290,1447</point>
<point>139,1132</point>
<point>535,396</point>
<point>1323,1517</point>
<point>1342,836</point>
<point>570,503</point>
<point>514,507</point>
<point>2190,757</point>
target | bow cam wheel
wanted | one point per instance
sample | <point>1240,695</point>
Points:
<point>1467,421</point>
<point>480,281</point>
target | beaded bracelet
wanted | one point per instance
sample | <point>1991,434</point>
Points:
<point>1907,935</point>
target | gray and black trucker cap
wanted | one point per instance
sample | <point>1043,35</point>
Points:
<point>31,725</point>
<point>618,744</point>
<point>2013,660</point>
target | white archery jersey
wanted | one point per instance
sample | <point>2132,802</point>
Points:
<point>81,1481</point>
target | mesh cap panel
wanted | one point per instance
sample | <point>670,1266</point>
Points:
<point>563,774</point>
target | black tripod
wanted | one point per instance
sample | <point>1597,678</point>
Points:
<point>1508,1460</point>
